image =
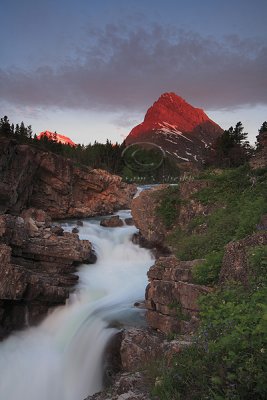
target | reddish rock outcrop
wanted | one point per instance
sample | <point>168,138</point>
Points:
<point>140,347</point>
<point>171,297</point>
<point>36,268</point>
<point>146,219</point>
<point>33,178</point>
<point>112,222</point>
<point>183,131</point>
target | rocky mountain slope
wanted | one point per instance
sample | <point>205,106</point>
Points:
<point>183,131</point>
<point>30,177</point>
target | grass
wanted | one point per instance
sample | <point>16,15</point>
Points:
<point>169,205</point>
<point>238,198</point>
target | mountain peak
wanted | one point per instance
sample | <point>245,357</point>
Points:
<point>172,122</point>
<point>56,136</point>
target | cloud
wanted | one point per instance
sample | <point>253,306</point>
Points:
<point>123,69</point>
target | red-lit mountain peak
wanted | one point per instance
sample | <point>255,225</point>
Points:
<point>173,111</point>
<point>180,129</point>
<point>56,136</point>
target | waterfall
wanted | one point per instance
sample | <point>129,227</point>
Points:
<point>61,359</point>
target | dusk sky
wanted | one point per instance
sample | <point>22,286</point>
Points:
<point>89,69</point>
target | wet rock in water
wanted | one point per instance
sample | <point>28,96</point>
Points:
<point>112,222</point>
<point>57,230</point>
<point>129,221</point>
<point>75,230</point>
<point>80,223</point>
<point>112,359</point>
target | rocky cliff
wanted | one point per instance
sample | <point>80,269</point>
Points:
<point>37,261</point>
<point>33,178</point>
<point>183,131</point>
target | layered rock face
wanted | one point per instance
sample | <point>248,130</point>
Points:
<point>33,178</point>
<point>152,229</point>
<point>183,131</point>
<point>37,262</point>
<point>171,297</point>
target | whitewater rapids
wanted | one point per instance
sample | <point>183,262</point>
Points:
<point>61,359</point>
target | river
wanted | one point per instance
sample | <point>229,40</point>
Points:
<point>61,359</point>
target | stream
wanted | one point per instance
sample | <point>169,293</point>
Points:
<point>62,358</point>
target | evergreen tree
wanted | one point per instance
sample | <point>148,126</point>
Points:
<point>263,128</point>
<point>231,148</point>
<point>5,127</point>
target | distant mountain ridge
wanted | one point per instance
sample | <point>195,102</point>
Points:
<point>183,131</point>
<point>59,138</point>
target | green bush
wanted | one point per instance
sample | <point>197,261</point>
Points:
<point>207,272</point>
<point>258,264</point>
<point>229,359</point>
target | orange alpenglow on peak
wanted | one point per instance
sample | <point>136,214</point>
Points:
<point>56,136</point>
<point>184,132</point>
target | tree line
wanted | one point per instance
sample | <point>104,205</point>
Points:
<point>231,149</point>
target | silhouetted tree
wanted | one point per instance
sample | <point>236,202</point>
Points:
<point>231,148</point>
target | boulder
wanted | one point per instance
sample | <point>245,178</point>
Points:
<point>129,221</point>
<point>112,222</point>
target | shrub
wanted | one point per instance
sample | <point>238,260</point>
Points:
<point>229,359</point>
<point>207,272</point>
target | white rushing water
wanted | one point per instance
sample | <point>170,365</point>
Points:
<point>61,359</point>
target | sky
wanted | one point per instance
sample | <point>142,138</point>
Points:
<point>90,69</point>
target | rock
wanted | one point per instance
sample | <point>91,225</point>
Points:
<point>79,223</point>
<point>235,265</point>
<point>128,386</point>
<point>75,230</point>
<point>57,230</point>
<point>112,222</point>
<point>129,221</point>
<point>152,230</point>
<point>145,216</point>
<point>112,359</point>
<point>171,297</point>
<point>138,348</point>
<point>36,271</point>
<point>30,177</point>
